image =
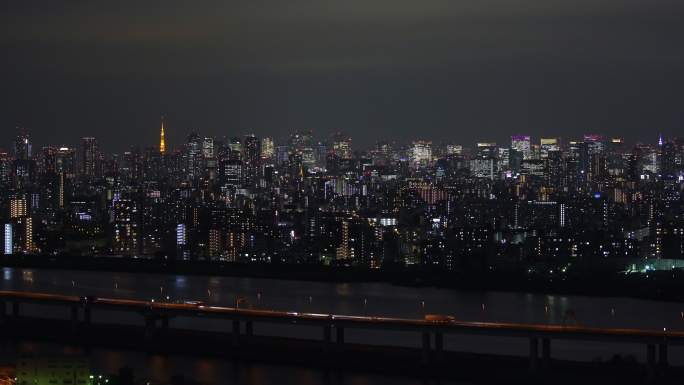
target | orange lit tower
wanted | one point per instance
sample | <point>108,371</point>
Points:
<point>162,142</point>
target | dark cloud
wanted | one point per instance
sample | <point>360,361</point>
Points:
<point>378,69</point>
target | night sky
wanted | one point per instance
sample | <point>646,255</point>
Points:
<point>445,70</point>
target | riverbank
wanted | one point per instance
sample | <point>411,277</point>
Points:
<point>660,285</point>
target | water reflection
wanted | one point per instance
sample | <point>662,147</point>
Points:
<point>378,299</point>
<point>162,369</point>
<point>359,298</point>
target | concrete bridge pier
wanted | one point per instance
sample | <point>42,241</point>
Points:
<point>650,362</point>
<point>150,324</point>
<point>327,333</point>
<point>236,332</point>
<point>74,318</point>
<point>87,315</point>
<point>662,355</point>
<point>340,334</point>
<point>534,354</point>
<point>439,346</point>
<point>426,347</point>
<point>15,309</point>
<point>546,353</point>
<point>249,328</point>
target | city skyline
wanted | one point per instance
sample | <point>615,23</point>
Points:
<point>251,199</point>
<point>323,136</point>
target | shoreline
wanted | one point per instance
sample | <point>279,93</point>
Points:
<point>658,286</point>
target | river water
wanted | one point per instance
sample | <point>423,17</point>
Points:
<point>339,298</point>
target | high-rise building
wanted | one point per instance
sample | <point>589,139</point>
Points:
<point>18,208</point>
<point>486,149</point>
<point>181,235</point>
<point>483,167</point>
<point>22,145</point>
<point>301,139</point>
<point>8,238</point>
<point>504,157</point>
<point>251,150</point>
<point>668,160</point>
<point>126,227</point>
<point>89,157</point>
<point>454,149</point>
<point>617,157</point>
<point>595,143</point>
<point>282,154</point>
<point>235,146</point>
<point>421,153</point>
<point>267,148</point>
<point>25,227</point>
<point>60,190</point>
<point>56,160</point>
<point>344,251</point>
<point>382,154</point>
<point>230,172</point>
<point>132,166</point>
<point>22,154</point>
<point>521,143</point>
<point>208,148</point>
<point>5,168</point>
<point>342,146</point>
<point>194,156</point>
<point>548,144</point>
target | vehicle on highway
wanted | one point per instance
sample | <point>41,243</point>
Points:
<point>439,318</point>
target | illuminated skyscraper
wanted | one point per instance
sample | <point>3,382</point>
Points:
<point>22,145</point>
<point>486,149</point>
<point>616,160</point>
<point>8,246</point>
<point>342,146</point>
<point>60,190</point>
<point>521,143</point>
<point>208,148</point>
<point>343,250</point>
<point>194,156</point>
<point>235,146</point>
<point>667,166</point>
<point>421,153</point>
<point>547,145</point>
<point>252,159</point>
<point>18,208</point>
<point>482,167</point>
<point>454,149</point>
<point>162,139</point>
<point>5,168</point>
<point>22,154</point>
<point>595,143</point>
<point>89,157</point>
<point>56,160</point>
<point>267,148</point>
<point>126,227</point>
<point>26,234</point>
<point>181,235</point>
